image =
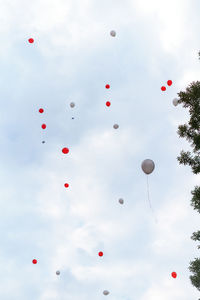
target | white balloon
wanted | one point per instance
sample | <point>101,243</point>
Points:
<point>72,104</point>
<point>148,166</point>
<point>115,126</point>
<point>113,33</point>
<point>121,201</point>
<point>57,272</point>
<point>175,101</point>
<point>105,292</point>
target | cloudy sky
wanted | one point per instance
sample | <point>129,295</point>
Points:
<point>72,58</point>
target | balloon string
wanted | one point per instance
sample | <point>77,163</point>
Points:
<point>150,201</point>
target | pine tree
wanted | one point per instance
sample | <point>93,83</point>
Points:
<point>191,131</point>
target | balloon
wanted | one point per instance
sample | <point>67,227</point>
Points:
<point>31,40</point>
<point>175,101</point>
<point>115,126</point>
<point>100,253</point>
<point>43,142</point>
<point>163,88</point>
<point>57,272</point>
<point>41,110</point>
<point>113,33</point>
<point>121,201</point>
<point>148,166</point>
<point>72,104</point>
<point>44,126</point>
<point>65,150</point>
<point>105,292</point>
<point>34,261</point>
<point>174,274</point>
<point>169,82</point>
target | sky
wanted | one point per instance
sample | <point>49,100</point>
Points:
<point>72,58</point>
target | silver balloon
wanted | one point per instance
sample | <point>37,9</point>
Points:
<point>175,101</point>
<point>113,33</point>
<point>115,126</point>
<point>105,292</point>
<point>57,272</point>
<point>121,201</point>
<point>148,166</point>
<point>72,104</point>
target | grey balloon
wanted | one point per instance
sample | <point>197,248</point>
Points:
<point>105,292</point>
<point>115,126</point>
<point>57,272</point>
<point>113,33</point>
<point>175,101</point>
<point>121,201</point>
<point>72,104</point>
<point>148,166</point>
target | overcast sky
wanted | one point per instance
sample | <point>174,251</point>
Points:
<point>72,58</point>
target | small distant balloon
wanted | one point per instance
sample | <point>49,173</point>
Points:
<point>115,126</point>
<point>41,110</point>
<point>66,185</point>
<point>43,142</point>
<point>163,88</point>
<point>175,101</point>
<point>31,40</point>
<point>169,82</point>
<point>107,86</point>
<point>174,275</point>
<point>34,261</point>
<point>72,104</point>
<point>65,150</point>
<point>72,118</point>
<point>113,33</point>
<point>105,292</point>
<point>100,253</point>
<point>121,201</point>
<point>108,103</point>
<point>148,166</point>
<point>57,272</point>
<point>43,126</point>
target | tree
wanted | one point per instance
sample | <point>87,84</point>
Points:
<point>191,131</point>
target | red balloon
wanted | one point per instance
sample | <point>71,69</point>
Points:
<point>108,103</point>
<point>65,150</point>
<point>169,82</point>
<point>163,88</point>
<point>174,274</point>
<point>34,261</point>
<point>31,40</point>
<point>66,185</point>
<point>43,126</point>
<point>100,253</point>
<point>41,110</point>
<point>107,86</point>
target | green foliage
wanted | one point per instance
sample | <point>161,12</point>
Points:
<point>191,132</point>
<point>195,269</point>
<point>195,202</point>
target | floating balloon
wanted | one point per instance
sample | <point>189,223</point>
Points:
<point>100,253</point>
<point>43,142</point>
<point>57,272</point>
<point>31,40</point>
<point>121,201</point>
<point>65,150</point>
<point>107,86</point>
<point>175,101</point>
<point>148,166</point>
<point>41,110</point>
<point>108,103</point>
<point>169,82</point>
<point>105,292</point>
<point>44,126</point>
<point>163,88</point>
<point>174,275</point>
<point>66,185</point>
<point>113,33</point>
<point>34,261</point>
<point>72,104</point>
<point>115,126</point>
